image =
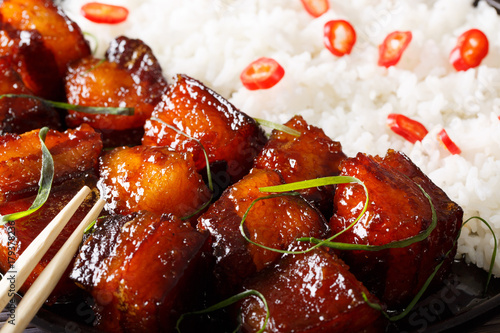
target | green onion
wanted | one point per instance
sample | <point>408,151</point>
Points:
<point>493,255</point>
<point>393,245</point>
<point>281,189</point>
<point>278,127</point>
<point>227,302</point>
<point>99,63</point>
<point>209,175</point>
<point>118,111</point>
<point>93,37</point>
<point>45,182</point>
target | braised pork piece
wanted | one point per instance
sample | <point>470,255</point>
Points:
<point>16,236</point>
<point>19,115</point>
<point>156,179</point>
<point>75,153</point>
<point>398,210</point>
<point>308,156</point>
<point>130,75</point>
<point>41,41</point>
<point>309,292</point>
<point>142,270</point>
<point>227,134</point>
<point>274,223</point>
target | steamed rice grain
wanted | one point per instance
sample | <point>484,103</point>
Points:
<point>349,97</point>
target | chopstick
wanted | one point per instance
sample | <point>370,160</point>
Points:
<point>49,277</point>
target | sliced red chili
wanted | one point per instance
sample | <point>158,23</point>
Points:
<point>448,143</point>
<point>316,7</point>
<point>391,50</point>
<point>472,47</point>
<point>409,129</point>
<point>103,13</point>
<point>263,73</point>
<point>339,37</point>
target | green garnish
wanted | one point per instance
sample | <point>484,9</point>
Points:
<point>286,189</point>
<point>493,255</point>
<point>227,302</point>
<point>93,37</point>
<point>45,182</point>
<point>117,111</point>
<point>278,127</point>
<point>324,181</point>
<point>392,245</point>
<point>99,63</point>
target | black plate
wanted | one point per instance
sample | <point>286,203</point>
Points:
<point>461,300</point>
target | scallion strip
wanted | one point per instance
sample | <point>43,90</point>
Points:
<point>117,111</point>
<point>279,127</point>
<point>45,182</point>
<point>393,245</point>
<point>226,303</point>
<point>175,129</point>
<point>288,189</point>
<point>493,255</point>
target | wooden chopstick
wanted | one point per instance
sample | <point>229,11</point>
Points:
<point>50,276</point>
<point>36,250</point>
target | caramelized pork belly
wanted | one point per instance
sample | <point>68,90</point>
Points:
<point>274,223</point>
<point>308,156</point>
<point>141,269</point>
<point>397,210</point>
<point>19,115</point>
<point>156,179</point>
<point>227,134</point>
<point>129,76</point>
<point>16,236</point>
<point>309,292</point>
<point>75,152</point>
<point>33,61</point>
<point>44,42</point>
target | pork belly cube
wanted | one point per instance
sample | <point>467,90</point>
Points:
<point>309,292</point>
<point>398,209</point>
<point>58,42</point>
<point>75,153</point>
<point>274,223</point>
<point>141,269</point>
<point>19,115</point>
<point>227,134</point>
<point>129,76</point>
<point>308,156</point>
<point>156,179</point>
<point>33,61</point>
<point>16,236</point>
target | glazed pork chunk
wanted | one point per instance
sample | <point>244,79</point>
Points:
<point>75,153</point>
<point>142,270</point>
<point>274,223</point>
<point>19,115</point>
<point>228,135</point>
<point>308,156</point>
<point>309,292</point>
<point>156,179</point>
<point>397,210</point>
<point>129,76</point>
<point>26,229</point>
<point>42,41</point>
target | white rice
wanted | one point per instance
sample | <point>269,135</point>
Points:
<point>349,97</point>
